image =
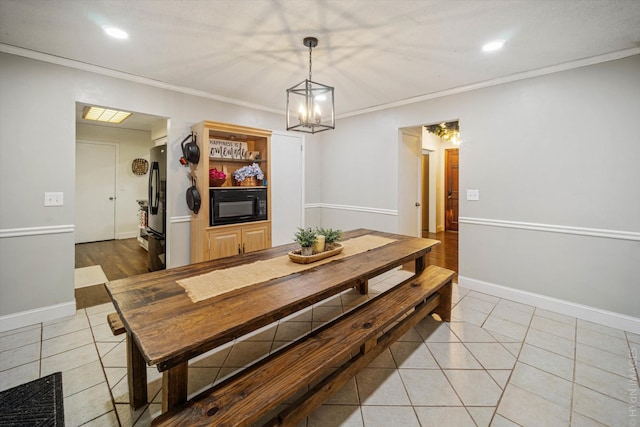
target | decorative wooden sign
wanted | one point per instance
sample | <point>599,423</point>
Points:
<point>221,149</point>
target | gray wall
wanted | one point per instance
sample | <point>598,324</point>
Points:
<point>551,155</point>
<point>37,154</point>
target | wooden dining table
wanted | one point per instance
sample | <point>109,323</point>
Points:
<point>165,328</point>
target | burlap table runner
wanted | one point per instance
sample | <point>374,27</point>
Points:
<point>219,282</point>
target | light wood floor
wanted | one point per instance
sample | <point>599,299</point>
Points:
<point>118,258</point>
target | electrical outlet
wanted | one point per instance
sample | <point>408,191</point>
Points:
<point>473,194</point>
<point>53,198</point>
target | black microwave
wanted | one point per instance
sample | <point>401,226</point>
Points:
<point>236,205</point>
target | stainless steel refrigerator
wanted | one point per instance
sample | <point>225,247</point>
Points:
<point>157,218</point>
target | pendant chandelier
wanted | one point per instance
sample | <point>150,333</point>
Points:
<point>310,105</point>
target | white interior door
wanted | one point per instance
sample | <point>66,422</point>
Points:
<point>409,185</point>
<point>287,186</point>
<point>95,191</point>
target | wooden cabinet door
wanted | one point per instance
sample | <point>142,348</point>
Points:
<point>224,243</point>
<point>255,237</point>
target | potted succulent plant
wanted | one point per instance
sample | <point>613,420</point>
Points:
<point>305,237</point>
<point>331,236</point>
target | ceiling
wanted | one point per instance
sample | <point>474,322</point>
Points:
<point>374,52</point>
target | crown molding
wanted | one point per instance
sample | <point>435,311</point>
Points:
<point>83,66</point>
<point>45,57</point>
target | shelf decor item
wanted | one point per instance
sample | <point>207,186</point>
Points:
<point>221,149</point>
<point>299,258</point>
<point>249,175</point>
<point>139,167</point>
<point>216,178</point>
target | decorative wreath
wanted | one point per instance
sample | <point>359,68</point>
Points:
<point>139,166</point>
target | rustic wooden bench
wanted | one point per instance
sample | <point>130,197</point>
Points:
<point>348,343</point>
<point>115,323</point>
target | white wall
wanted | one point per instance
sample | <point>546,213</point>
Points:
<point>130,187</point>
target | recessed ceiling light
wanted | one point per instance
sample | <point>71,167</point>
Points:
<point>494,45</point>
<point>115,32</point>
<point>104,115</point>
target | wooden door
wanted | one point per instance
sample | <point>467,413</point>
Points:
<point>224,243</point>
<point>451,189</point>
<point>95,192</point>
<point>255,238</point>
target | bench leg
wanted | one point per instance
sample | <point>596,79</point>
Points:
<point>444,308</point>
<point>136,375</point>
<point>174,386</point>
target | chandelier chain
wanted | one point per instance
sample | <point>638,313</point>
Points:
<point>310,62</point>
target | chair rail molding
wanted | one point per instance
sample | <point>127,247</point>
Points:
<point>36,231</point>
<point>553,228</point>
<point>179,219</point>
<point>380,211</point>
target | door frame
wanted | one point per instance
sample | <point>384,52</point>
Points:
<point>117,171</point>
<point>405,213</point>
<point>436,179</point>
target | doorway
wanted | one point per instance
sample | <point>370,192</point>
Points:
<point>110,192</point>
<point>429,180</point>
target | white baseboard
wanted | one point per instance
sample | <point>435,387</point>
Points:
<point>127,235</point>
<point>37,315</point>
<point>584,312</point>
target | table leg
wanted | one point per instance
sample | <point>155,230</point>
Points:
<point>420,264</point>
<point>136,375</point>
<point>363,287</point>
<point>174,386</point>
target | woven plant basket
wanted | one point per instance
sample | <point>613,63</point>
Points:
<point>247,182</point>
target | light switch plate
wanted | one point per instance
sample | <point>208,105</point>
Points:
<point>473,194</point>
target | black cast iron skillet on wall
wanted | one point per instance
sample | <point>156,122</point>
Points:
<point>193,197</point>
<point>190,150</point>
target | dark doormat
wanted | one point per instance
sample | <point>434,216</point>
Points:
<point>36,403</point>
<point>89,296</point>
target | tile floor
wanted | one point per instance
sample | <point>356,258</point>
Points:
<point>498,363</point>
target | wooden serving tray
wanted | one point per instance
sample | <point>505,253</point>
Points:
<point>295,256</point>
